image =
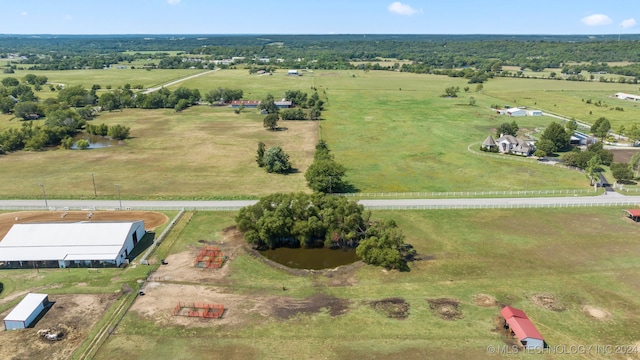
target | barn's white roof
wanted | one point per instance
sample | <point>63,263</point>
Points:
<point>65,241</point>
<point>25,308</point>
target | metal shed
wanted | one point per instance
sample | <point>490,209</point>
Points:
<point>26,311</point>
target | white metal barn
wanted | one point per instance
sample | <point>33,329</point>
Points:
<point>26,311</point>
<point>80,244</point>
<point>516,112</point>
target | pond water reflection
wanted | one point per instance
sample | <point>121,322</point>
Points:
<point>95,141</point>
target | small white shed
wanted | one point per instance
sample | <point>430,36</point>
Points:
<point>26,311</point>
<point>534,112</point>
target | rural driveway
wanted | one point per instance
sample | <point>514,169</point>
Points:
<point>150,90</point>
<point>370,204</point>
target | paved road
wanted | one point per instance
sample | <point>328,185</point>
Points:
<point>150,90</point>
<point>609,199</point>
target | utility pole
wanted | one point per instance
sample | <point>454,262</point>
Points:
<point>119,199</point>
<point>95,192</point>
<point>44,194</point>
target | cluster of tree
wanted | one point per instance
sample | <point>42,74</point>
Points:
<point>116,132</point>
<point>325,175</point>
<point>508,129</point>
<point>590,160</point>
<point>294,220</point>
<point>273,159</point>
<point>223,96</point>
<point>179,99</point>
<point>451,91</point>
<point>58,126</point>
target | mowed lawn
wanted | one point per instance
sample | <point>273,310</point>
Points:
<point>576,257</point>
<point>202,152</point>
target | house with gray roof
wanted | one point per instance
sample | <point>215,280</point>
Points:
<point>510,144</point>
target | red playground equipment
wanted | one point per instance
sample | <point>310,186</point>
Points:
<point>202,310</point>
<point>210,257</point>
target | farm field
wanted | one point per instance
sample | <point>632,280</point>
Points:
<point>393,132</point>
<point>573,271</point>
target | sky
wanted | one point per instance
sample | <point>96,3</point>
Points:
<point>557,17</point>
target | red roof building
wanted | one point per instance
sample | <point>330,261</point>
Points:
<point>634,214</point>
<point>520,325</point>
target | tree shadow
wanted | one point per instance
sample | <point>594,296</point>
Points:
<point>281,128</point>
<point>627,182</point>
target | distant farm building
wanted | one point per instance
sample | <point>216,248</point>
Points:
<point>580,138</point>
<point>283,104</point>
<point>23,315</point>
<point>80,244</point>
<point>520,325</point>
<point>245,103</point>
<point>516,112</point>
<point>534,112</point>
<point>293,72</point>
<point>631,97</point>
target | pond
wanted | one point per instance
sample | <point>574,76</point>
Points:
<point>95,141</point>
<point>313,259</point>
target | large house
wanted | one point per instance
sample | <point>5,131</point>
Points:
<point>508,144</point>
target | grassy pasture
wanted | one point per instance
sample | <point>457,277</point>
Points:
<point>579,257</point>
<point>393,131</point>
<point>566,98</point>
<point>114,77</point>
<point>201,152</point>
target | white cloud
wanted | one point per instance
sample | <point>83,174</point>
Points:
<point>596,20</point>
<point>628,23</point>
<point>24,13</point>
<point>173,2</point>
<point>402,9</point>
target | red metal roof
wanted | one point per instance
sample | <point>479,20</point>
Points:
<point>634,212</point>
<point>520,324</point>
<point>508,312</point>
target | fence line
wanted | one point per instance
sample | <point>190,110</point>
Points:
<point>427,195</point>
<point>501,206</point>
<point>389,207</point>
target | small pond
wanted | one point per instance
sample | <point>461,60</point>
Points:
<point>95,141</point>
<point>314,259</point>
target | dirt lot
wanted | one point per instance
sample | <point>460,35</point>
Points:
<point>151,219</point>
<point>169,285</point>
<point>74,315</point>
<point>623,155</point>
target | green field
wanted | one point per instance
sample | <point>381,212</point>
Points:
<point>392,131</point>
<point>578,257</point>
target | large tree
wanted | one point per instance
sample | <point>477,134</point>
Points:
<point>275,160</point>
<point>268,104</point>
<point>270,121</point>
<point>601,127</point>
<point>621,171</point>
<point>557,135</point>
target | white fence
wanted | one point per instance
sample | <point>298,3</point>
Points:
<point>502,206</point>
<point>457,194</point>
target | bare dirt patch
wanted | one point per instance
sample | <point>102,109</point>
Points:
<point>181,266</point>
<point>151,219</point>
<point>445,308</point>
<point>285,308</point>
<point>73,315</point>
<point>485,300</point>
<point>161,298</point>
<point>548,301</point>
<point>393,308</point>
<point>596,313</point>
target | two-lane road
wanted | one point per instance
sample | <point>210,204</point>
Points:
<point>612,199</point>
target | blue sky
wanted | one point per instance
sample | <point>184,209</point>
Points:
<point>319,17</point>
